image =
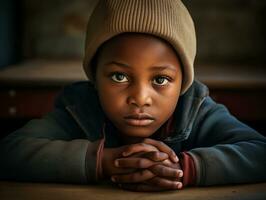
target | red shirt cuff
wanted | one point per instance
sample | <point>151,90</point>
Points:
<point>189,169</point>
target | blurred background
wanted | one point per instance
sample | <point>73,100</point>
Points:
<point>228,31</point>
<point>41,50</point>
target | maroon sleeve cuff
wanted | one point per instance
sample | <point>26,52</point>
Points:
<point>94,156</point>
<point>99,168</point>
<point>189,170</point>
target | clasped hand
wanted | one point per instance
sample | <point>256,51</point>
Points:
<point>147,166</point>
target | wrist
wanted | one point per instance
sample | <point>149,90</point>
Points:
<point>105,163</point>
<point>189,169</point>
<point>99,161</point>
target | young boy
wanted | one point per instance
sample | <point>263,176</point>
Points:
<point>142,121</point>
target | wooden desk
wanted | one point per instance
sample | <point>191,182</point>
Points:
<point>28,191</point>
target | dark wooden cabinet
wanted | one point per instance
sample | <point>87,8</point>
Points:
<point>26,102</point>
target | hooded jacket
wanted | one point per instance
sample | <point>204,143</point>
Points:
<point>64,145</point>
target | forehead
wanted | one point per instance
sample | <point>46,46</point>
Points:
<point>138,46</point>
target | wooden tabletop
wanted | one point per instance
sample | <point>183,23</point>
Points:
<point>221,76</point>
<point>30,191</point>
<point>43,72</point>
<point>61,72</point>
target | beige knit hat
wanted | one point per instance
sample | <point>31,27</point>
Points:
<point>167,19</point>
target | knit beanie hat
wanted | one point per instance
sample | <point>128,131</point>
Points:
<point>167,19</point>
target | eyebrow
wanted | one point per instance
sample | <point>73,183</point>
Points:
<point>162,68</point>
<point>153,68</point>
<point>117,63</point>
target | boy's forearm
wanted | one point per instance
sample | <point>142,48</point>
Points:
<point>224,150</point>
<point>39,159</point>
<point>242,162</point>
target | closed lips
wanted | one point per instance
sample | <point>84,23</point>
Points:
<point>141,119</point>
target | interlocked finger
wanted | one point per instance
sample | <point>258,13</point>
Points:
<point>164,171</point>
<point>136,148</point>
<point>134,162</point>
<point>162,147</point>
<point>155,156</point>
<point>165,183</point>
<point>136,177</point>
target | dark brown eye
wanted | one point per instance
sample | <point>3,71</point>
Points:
<point>160,80</point>
<point>119,77</point>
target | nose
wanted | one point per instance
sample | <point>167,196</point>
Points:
<point>140,96</point>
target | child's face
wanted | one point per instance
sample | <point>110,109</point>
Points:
<point>138,79</point>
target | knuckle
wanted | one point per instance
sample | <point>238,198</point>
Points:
<point>141,175</point>
<point>172,152</point>
<point>167,162</point>
<point>159,182</point>
<point>155,168</point>
<point>141,163</point>
<point>156,155</point>
<point>146,140</point>
<point>133,177</point>
<point>163,171</point>
<point>160,143</point>
<point>150,173</point>
<point>143,145</point>
<point>128,148</point>
<point>144,173</point>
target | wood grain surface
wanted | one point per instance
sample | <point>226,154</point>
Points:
<point>38,191</point>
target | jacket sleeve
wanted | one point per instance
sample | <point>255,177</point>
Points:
<point>224,150</point>
<point>51,149</point>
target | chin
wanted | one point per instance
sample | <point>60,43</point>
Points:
<point>139,132</point>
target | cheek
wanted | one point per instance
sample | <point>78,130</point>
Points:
<point>168,105</point>
<point>111,101</point>
<point>167,101</point>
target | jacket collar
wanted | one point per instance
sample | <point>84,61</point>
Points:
<point>186,111</point>
<point>82,103</point>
